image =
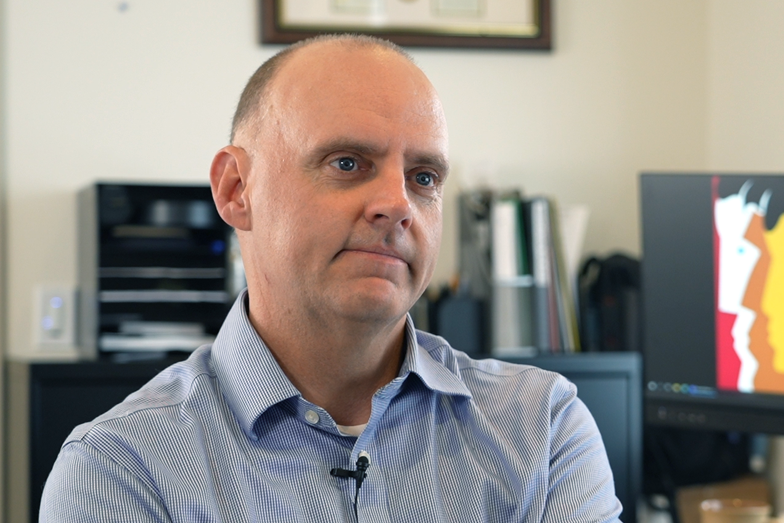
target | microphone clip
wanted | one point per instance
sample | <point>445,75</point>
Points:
<point>359,474</point>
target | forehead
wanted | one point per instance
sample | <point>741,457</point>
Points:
<point>337,88</point>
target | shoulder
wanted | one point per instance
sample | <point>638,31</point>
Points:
<point>174,388</point>
<point>499,383</point>
<point>153,433</point>
<point>534,418</point>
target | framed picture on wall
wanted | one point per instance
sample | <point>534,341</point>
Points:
<point>520,24</point>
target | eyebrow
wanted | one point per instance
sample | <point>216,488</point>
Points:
<point>436,161</point>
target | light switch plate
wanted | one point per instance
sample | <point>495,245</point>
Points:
<point>55,316</point>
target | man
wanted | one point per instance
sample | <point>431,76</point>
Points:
<point>334,184</point>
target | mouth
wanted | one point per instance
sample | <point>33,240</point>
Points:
<point>381,254</point>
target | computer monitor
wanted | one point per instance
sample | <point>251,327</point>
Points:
<point>713,300</point>
<point>610,385</point>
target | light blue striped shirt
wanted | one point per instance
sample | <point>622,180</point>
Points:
<point>225,436</point>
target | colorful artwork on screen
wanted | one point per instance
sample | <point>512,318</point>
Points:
<point>749,272</point>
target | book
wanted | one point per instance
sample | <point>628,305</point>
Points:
<point>567,315</point>
<point>541,271</point>
<point>506,251</point>
<point>510,256</point>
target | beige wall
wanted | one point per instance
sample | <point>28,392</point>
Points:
<point>3,330</point>
<point>146,93</point>
<point>746,86</point>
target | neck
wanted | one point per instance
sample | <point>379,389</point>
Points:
<point>337,364</point>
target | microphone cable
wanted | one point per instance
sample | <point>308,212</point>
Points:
<point>359,475</point>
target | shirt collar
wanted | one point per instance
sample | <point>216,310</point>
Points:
<point>252,381</point>
<point>433,373</point>
<point>249,376</point>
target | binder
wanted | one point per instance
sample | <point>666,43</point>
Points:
<point>542,268</point>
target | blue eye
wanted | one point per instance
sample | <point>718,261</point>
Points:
<point>424,179</point>
<point>347,164</point>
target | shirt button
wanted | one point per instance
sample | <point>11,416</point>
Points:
<point>312,417</point>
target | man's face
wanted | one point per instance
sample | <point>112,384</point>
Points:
<point>346,186</point>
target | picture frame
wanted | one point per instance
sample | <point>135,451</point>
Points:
<point>511,24</point>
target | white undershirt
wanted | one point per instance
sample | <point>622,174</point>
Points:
<point>352,430</point>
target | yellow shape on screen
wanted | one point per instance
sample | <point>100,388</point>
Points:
<point>773,295</point>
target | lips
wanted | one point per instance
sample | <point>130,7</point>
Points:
<point>400,254</point>
<point>385,257</point>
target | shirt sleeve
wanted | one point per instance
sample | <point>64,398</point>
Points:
<point>581,487</point>
<point>87,486</point>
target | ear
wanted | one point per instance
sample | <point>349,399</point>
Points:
<point>228,179</point>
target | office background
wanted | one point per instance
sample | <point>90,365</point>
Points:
<point>145,89</point>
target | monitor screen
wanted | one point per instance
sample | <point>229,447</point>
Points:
<point>713,300</point>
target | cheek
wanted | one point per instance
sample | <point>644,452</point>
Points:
<point>434,239</point>
<point>433,222</point>
<point>274,221</point>
<point>314,231</point>
<point>431,239</point>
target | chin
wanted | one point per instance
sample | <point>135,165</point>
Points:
<point>369,308</point>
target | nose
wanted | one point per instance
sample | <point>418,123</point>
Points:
<point>388,201</point>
